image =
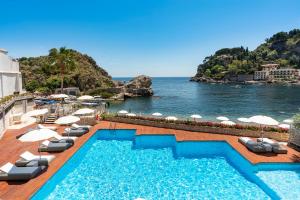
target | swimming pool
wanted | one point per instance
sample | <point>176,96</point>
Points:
<point>119,165</point>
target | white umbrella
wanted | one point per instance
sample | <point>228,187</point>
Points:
<point>85,97</point>
<point>37,135</point>
<point>263,120</point>
<point>196,116</point>
<point>288,121</point>
<point>59,96</point>
<point>230,123</point>
<point>131,115</point>
<point>222,118</point>
<point>171,118</point>
<point>35,113</point>
<point>244,119</point>
<point>67,120</point>
<point>84,111</point>
<point>122,112</point>
<point>285,126</point>
<point>157,114</point>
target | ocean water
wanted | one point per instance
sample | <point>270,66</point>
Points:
<point>182,98</point>
<point>114,170</point>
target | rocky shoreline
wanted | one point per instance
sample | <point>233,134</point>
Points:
<point>210,80</point>
<point>139,86</point>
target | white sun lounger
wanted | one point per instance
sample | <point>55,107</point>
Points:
<point>81,126</point>
<point>59,137</point>
<point>244,140</point>
<point>28,156</point>
<point>40,126</point>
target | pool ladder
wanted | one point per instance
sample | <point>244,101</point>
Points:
<point>112,126</point>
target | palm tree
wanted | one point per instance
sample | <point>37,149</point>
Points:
<point>63,59</point>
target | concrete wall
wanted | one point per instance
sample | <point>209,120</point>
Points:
<point>22,106</point>
<point>10,76</point>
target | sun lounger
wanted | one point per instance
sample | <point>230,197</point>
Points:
<point>74,132</point>
<point>48,146</point>
<point>66,139</point>
<point>10,172</point>
<point>256,147</point>
<point>81,126</point>
<point>244,140</point>
<point>40,126</point>
<point>276,147</point>
<point>27,157</point>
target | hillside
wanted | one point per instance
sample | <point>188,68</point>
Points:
<point>44,75</point>
<point>282,48</point>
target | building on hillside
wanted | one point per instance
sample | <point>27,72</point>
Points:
<point>10,75</point>
<point>69,91</point>
<point>271,72</point>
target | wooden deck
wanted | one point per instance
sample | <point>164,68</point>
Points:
<point>11,148</point>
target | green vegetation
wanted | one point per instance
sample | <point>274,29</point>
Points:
<point>63,68</point>
<point>282,48</point>
<point>296,119</point>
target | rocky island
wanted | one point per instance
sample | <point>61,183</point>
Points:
<point>43,74</point>
<point>275,61</point>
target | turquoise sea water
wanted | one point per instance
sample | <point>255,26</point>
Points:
<point>180,97</point>
<point>119,165</point>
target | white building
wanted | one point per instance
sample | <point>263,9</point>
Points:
<point>10,75</point>
<point>273,72</point>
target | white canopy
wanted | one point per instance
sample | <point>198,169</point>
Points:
<point>157,114</point>
<point>244,119</point>
<point>171,118</point>
<point>288,121</point>
<point>85,97</point>
<point>230,123</point>
<point>59,96</point>
<point>122,112</point>
<point>38,112</point>
<point>285,126</point>
<point>131,115</point>
<point>263,120</point>
<point>67,120</point>
<point>222,118</point>
<point>37,135</point>
<point>84,111</point>
<point>196,116</point>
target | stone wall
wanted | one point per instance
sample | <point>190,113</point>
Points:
<point>216,130</point>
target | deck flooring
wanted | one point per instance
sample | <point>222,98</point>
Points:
<point>11,148</point>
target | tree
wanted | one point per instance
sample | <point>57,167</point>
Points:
<point>63,59</point>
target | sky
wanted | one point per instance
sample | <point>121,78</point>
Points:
<point>159,38</point>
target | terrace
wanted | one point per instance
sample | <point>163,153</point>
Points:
<point>11,148</point>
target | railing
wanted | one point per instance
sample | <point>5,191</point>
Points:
<point>7,105</point>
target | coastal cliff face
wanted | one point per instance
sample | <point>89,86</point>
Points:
<point>227,64</point>
<point>43,74</point>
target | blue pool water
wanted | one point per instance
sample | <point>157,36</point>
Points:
<point>119,165</point>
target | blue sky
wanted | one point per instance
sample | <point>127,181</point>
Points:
<point>152,37</point>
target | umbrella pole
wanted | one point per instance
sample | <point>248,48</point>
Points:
<point>262,133</point>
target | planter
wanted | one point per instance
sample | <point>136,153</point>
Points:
<point>294,139</point>
<point>204,129</point>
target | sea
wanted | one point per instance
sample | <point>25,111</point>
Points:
<point>177,96</point>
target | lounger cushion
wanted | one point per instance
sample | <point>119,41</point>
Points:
<point>63,141</point>
<point>244,140</point>
<point>55,147</point>
<point>22,173</point>
<point>77,132</point>
<point>280,149</point>
<point>258,147</point>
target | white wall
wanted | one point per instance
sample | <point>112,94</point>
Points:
<point>10,76</point>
